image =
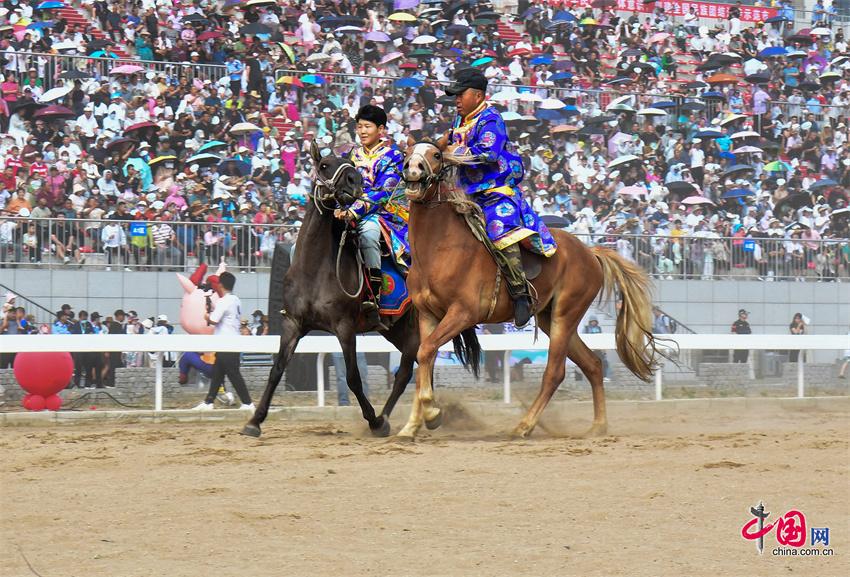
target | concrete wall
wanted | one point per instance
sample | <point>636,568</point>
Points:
<point>705,306</point>
<point>148,293</point>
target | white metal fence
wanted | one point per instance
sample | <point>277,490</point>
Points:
<point>323,345</point>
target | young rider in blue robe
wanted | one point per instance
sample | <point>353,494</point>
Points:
<point>383,203</point>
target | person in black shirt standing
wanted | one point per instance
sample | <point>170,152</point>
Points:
<point>741,327</point>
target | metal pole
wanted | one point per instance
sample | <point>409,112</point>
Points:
<point>506,373</point>
<point>320,379</point>
<point>157,403</point>
<point>658,377</point>
<point>801,385</point>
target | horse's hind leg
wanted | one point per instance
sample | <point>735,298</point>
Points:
<point>289,338</point>
<point>405,337</point>
<point>559,336</point>
<point>379,426</point>
<point>591,366</point>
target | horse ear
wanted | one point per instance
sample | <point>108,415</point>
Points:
<point>411,142</point>
<point>315,154</point>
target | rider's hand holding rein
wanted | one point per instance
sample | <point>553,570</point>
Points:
<point>343,214</point>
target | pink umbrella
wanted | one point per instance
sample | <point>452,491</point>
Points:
<point>377,36</point>
<point>392,56</point>
<point>127,69</point>
<point>658,37</point>
<point>694,200</point>
<point>633,191</point>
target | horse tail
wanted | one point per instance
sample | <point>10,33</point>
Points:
<point>468,350</point>
<point>636,344</point>
<point>280,266</point>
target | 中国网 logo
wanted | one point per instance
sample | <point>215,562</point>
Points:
<point>790,531</point>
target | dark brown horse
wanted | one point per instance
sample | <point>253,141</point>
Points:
<point>314,300</point>
<point>454,286</point>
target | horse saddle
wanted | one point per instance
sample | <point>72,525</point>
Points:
<point>532,263</point>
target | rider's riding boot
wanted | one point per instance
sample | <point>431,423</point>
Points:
<point>370,308</point>
<point>517,285</point>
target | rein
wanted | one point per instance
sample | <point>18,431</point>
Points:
<point>329,185</point>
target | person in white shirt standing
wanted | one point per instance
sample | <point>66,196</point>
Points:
<point>226,319</point>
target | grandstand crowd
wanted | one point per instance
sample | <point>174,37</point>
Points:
<point>652,129</point>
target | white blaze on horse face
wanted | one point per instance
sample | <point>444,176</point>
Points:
<point>418,160</point>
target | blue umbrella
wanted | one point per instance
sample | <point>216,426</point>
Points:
<point>737,193</point>
<point>204,159</point>
<point>777,19</point>
<point>546,114</point>
<point>407,82</point>
<point>663,104</point>
<point>40,25</point>
<point>103,54</point>
<point>50,5</point>
<point>712,95</point>
<point>737,168</point>
<point>482,61</point>
<point>312,79</point>
<point>709,134</point>
<point>564,16</point>
<point>561,76</point>
<point>823,183</point>
<point>234,167</point>
<point>211,145</point>
<point>773,51</point>
<point>542,59</point>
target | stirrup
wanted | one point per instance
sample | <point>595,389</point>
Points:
<point>372,316</point>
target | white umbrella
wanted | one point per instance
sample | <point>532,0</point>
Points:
<point>346,29</point>
<point>511,115</point>
<point>64,45</point>
<point>694,200</point>
<point>652,112</point>
<point>318,57</point>
<point>619,108</point>
<point>620,100</point>
<point>731,118</point>
<point>424,39</point>
<point>745,134</point>
<point>748,150</point>
<point>821,31</point>
<point>552,104</point>
<point>504,96</point>
<point>56,93</point>
<point>620,161</point>
<point>244,128</point>
<point>530,97</point>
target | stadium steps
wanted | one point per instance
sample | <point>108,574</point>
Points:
<point>79,19</point>
<point>282,125</point>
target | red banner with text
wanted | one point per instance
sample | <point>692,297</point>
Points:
<point>702,9</point>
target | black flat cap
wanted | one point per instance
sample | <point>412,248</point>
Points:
<point>467,78</point>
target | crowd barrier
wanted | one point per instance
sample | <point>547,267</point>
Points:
<point>323,345</point>
<point>250,247</point>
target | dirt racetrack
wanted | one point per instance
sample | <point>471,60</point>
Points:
<point>666,493</point>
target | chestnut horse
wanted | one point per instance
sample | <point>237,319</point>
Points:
<point>454,285</point>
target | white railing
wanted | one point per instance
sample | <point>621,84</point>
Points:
<point>323,345</point>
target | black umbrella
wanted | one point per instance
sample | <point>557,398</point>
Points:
<point>621,80</point>
<point>337,21</point>
<point>75,75</point>
<point>809,86</point>
<point>26,107</point>
<point>710,65</point>
<point>457,29</point>
<point>693,106</point>
<point>96,45</point>
<point>446,99</point>
<point>823,183</point>
<point>801,38</point>
<point>632,52</point>
<point>195,19</point>
<point>735,169</point>
<point>254,29</point>
<point>452,8</point>
<point>681,187</point>
<point>600,119</point>
<point>696,84</point>
<point>489,15</point>
<point>121,144</point>
<point>758,78</point>
<point>555,221</point>
<point>590,131</point>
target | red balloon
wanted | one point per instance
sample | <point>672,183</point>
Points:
<point>53,402</point>
<point>35,403</point>
<point>43,374</point>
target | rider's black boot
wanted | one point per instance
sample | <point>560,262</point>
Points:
<point>371,308</point>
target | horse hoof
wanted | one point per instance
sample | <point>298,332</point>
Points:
<point>382,430</point>
<point>436,421</point>
<point>250,431</point>
<point>520,433</point>
<point>597,431</point>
